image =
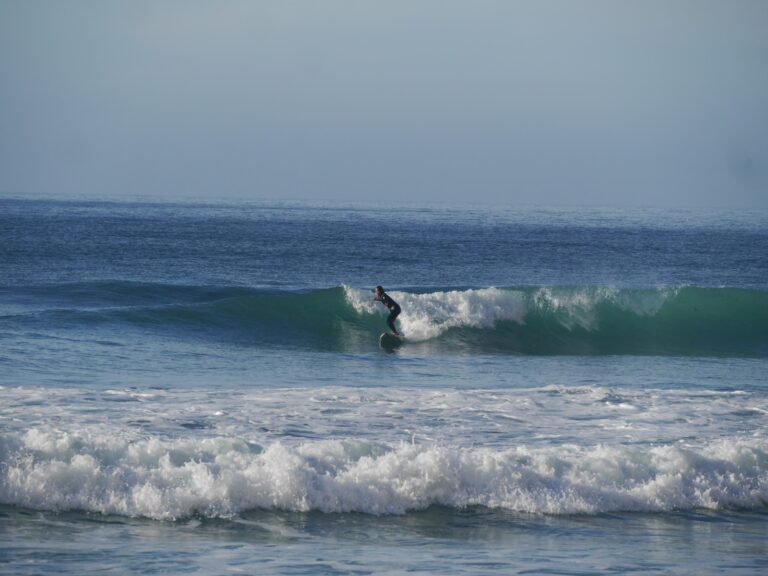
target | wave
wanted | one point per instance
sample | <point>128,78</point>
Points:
<point>222,477</point>
<point>525,320</point>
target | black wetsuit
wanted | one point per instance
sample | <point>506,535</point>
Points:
<point>394,309</point>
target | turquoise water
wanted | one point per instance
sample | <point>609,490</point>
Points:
<point>199,388</point>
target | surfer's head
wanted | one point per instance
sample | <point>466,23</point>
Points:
<point>379,290</point>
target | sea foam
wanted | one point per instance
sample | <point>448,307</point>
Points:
<point>221,477</point>
<point>428,315</point>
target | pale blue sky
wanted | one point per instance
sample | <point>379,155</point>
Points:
<point>545,101</point>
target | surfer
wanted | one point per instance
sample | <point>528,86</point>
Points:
<point>394,308</point>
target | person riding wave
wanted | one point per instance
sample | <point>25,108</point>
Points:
<point>394,308</point>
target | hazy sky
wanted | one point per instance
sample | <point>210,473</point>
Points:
<point>559,101</point>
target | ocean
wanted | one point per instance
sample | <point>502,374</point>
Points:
<point>199,388</point>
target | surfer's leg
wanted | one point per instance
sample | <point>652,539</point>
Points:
<point>391,324</point>
<point>391,321</point>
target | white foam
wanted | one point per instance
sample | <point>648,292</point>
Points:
<point>553,449</point>
<point>220,477</point>
<point>498,418</point>
<point>426,316</point>
<point>577,307</point>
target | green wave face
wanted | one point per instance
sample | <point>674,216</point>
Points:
<point>595,321</point>
<point>534,321</point>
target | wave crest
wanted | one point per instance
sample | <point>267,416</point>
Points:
<point>221,477</point>
<point>526,320</point>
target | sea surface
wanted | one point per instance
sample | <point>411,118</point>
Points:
<point>199,388</point>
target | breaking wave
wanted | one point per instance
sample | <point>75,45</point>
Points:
<point>221,477</point>
<point>527,320</point>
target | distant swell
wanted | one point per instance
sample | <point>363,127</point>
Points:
<point>221,477</point>
<point>528,320</point>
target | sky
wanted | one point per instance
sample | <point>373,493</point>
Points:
<point>630,102</point>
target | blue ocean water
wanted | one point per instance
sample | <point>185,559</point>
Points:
<point>193,387</point>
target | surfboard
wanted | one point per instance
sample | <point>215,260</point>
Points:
<point>389,341</point>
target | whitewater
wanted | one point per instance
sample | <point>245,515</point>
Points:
<point>199,387</point>
<point>389,451</point>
